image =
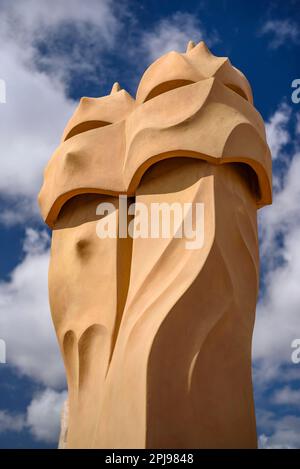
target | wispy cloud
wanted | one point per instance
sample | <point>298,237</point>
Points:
<point>32,121</point>
<point>280,432</point>
<point>287,396</point>
<point>43,415</point>
<point>41,418</point>
<point>277,130</point>
<point>277,317</point>
<point>71,34</point>
<point>32,349</point>
<point>11,422</point>
<point>278,310</point>
<point>173,33</point>
<point>25,320</point>
<point>281,32</point>
<point>36,15</point>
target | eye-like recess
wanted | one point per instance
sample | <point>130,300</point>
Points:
<point>173,84</point>
<point>85,126</point>
<point>237,90</point>
<point>167,86</point>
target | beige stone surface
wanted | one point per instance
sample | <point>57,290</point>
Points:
<point>63,437</point>
<point>126,136</point>
<point>156,338</point>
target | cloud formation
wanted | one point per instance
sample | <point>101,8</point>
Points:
<point>277,130</point>
<point>11,422</point>
<point>277,316</point>
<point>281,32</point>
<point>25,320</point>
<point>287,396</point>
<point>36,16</point>
<point>41,418</point>
<point>278,311</point>
<point>173,33</point>
<point>281,433</point>
<point>37,104</point>
<point>43,415</point>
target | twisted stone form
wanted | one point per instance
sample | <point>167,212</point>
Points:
<point>156,338</point>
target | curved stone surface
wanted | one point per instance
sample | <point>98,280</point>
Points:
<point>174,69</point>
<point>126,137</point>
<point>155,336</point>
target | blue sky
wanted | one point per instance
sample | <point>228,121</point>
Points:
<point>51,56</point>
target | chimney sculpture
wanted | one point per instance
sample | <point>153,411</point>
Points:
<point>155,335</point>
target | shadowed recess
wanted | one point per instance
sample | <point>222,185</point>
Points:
<point>85,126</point>
<point>91,346</point>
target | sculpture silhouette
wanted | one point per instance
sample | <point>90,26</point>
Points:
<point>156,338</point>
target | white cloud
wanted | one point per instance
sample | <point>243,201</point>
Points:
<point>35,16</point>
<point>25,320</point>
<point>287,396</point>
<point>277,317</point>
<point>282,32</point>
<point>43,415</point>
<point>280,433</point>
<point>173,33</point>
<point>16,210</point>
<point>73,34</point>
<point>35,242</point>
<point>37,108</point>
<point>41,419</point>
<point>277,323</point>
<point>31,121</point>
<point>298,123</point>
<point>11,422</point>
<point>277,130</point>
